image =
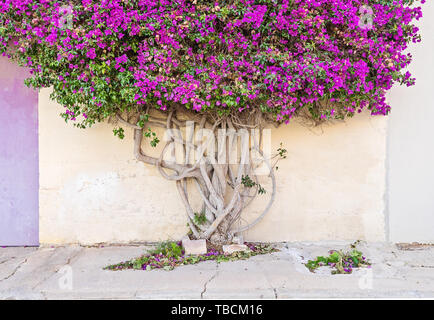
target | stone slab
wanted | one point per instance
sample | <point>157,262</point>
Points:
<point>194,246</point>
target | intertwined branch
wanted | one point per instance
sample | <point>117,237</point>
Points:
<point>217,179</point>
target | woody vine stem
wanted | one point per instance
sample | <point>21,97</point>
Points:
<point>226,182</point>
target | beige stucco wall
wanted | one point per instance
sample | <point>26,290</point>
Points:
<point>92,189</point>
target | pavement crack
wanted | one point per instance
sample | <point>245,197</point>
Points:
<point>209,280</point>
<point>9,259</point>
<point>267,279</point>
<point>56,269</point>
<point>421,266</point>
<point>15,270</point>
<point>74,256</point>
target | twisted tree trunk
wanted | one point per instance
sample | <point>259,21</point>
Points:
<point>218,176</point>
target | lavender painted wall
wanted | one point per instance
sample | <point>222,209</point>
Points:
<point>18,158</point>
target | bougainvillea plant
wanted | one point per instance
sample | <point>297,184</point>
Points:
<point>228,64</point>
<point>341,261</point>
<point>169,255</point>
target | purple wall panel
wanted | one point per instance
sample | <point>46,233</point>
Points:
<point>19,185</point>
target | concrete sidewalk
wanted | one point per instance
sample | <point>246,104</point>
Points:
<point>75,272</point>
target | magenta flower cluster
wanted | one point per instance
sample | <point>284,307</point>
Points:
<point>280,56</point>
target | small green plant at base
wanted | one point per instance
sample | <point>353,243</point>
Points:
<point>169,255</point>
<point>200,218</point>
<point>169,249</point>
<point>342,262</point>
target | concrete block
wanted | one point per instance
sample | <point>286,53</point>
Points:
<point>194,246</point>
<point>231,248</point>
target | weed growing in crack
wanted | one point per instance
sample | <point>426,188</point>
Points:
<point>342,262</point>
<point>169,255</point>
